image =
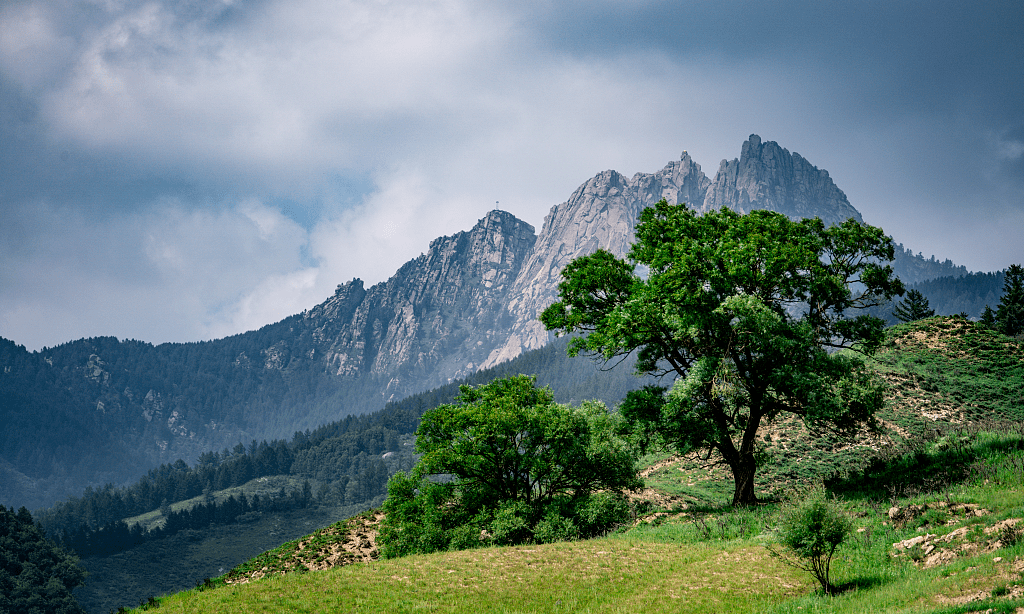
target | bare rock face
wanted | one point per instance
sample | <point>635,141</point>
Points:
<point>436,319</point>
<point>767,176</point>
<point>601,213</point>
<point>473,299</point>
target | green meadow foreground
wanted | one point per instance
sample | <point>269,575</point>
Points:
<point>701,560</point>
<point>613,574</point>
<point>935,505</point>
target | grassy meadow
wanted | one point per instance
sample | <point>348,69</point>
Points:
<point>935,498</point>
<point>701,559</point>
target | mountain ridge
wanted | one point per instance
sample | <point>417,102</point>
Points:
<point>469,302</point>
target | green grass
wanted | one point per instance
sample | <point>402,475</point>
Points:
<point>711,560</point>
<point>956,438</point>
<point>611,574</point>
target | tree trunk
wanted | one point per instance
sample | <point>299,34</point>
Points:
<point>743,477</point>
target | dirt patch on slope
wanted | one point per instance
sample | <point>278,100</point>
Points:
<point>342,543</point>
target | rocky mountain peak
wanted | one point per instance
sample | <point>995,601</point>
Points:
<point>472,300</point>
<point>432,321</point>
<point>767,176</point>
<point>601,214</point>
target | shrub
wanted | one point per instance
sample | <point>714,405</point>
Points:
<point>811,531</point>
<point>507,465</point>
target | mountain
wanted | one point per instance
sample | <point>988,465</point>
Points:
<point>118,408</point>
<point>766,176</point>
<point>601,213</point>
<point>435,319</point>
<point>101,410</point>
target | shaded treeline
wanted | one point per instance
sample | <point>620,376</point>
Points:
<point>120,407</point>
<point>344,458</point>
<point>35,574</point>
<point>967,293</point>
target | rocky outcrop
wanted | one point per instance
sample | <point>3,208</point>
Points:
<point>436,319</point>
<point>767,176</point>
<point>473,299</point>
<point>601,213</point>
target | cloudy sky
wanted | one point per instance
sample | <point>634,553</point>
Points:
<point>188,169</point>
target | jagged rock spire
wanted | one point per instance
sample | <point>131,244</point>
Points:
<point>767,176</point>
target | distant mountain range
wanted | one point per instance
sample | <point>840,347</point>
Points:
<point>101,410</point>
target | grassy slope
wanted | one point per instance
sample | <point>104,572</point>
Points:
<point>719,565</point>
<point>120,580</point>
<point>619,573</point>
<point>712,559</point>
<point>268,486</point>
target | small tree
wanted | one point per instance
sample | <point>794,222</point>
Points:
<point>740,310</point>
<point>913,307</point>
<point>988,317</point>
<point>505,464</point>
<point>811,531</point>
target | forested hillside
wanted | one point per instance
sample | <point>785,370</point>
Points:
<point>913,268</point>
<point>120,407</point>
<point>969,293</point>
<point>343,466</point>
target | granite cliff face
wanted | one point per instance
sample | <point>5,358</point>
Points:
<point>601,213</point>
<point>766,176</point>
<point>435,320</point>
<point>473,299</point>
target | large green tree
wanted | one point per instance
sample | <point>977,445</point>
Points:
<point>743,311</point>
<point>505,464</point>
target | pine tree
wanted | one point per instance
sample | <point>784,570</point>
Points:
<point>988,317</point>
<point>1009,317</point>
<point>913,307</point>
<point>35,574</point>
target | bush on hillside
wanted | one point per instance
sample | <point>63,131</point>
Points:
<point>811,530</point>
<point>35,574</point>
<point>506,465</point>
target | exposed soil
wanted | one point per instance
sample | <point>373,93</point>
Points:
<point>343,543</point>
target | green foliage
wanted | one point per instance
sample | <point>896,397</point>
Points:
<point>35,575</point>
<point>505,464</point>
<point>988,317</point>
<point>1009,316</point>
<point>913,307</point>
<point>740,308</point>
<point>963,293</point>
<point>812,529</point>
<point>958,362</point>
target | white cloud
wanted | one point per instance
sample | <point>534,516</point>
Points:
<point>252,113</point>
<point>168,274</point>
<point>32,50</point>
